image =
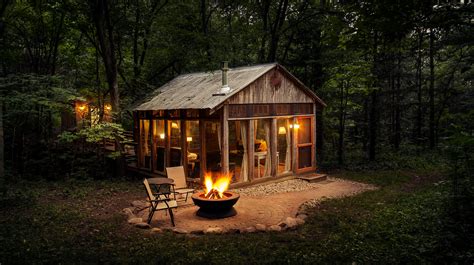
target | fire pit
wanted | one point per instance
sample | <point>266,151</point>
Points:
<point>216,202</point>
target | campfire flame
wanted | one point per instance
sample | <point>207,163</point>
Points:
<point>215,189</point>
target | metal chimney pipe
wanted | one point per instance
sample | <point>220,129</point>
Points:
<point>225,87</point>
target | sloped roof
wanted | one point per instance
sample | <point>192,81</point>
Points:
<point>196,90</point>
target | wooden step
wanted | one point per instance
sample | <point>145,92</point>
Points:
<point>314,177</point>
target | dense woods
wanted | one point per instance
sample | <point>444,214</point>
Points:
<point>397,75</point>
<point>397,78</point>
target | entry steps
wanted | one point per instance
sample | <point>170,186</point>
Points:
<point>314,177</point>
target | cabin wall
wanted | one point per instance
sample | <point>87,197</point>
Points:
<point>272,87</point>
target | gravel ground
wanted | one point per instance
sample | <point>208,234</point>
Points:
<point>293,185</point>
<point>279,187</point>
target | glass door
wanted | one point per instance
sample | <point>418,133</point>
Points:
<point>304,143</point>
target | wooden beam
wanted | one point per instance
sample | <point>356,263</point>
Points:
<point>313,125</point>
<point>225,140</point>
<point>273,147</point>
<point>251,148</point>
<point>202,150</point>
<point>167,144</point>
<point>294,148</point>
<point>184,148</point>
<point>153,146</point>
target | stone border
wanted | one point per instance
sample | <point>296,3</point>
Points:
<point>289,223</point>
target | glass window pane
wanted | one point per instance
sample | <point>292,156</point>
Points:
<point>193,146</point>
<point>175,143</point>
<point>283,145</point>
<point>304,157</point>
<point>262,147</point>
<point>145,144</point>
<point>304,131</point>
<point>159,138</point>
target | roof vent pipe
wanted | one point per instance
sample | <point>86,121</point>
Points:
<point>225,87</point>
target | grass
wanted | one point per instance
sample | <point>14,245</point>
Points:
<point>402,222</point>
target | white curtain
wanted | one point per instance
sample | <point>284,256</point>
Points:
<point>288,147</point>
<point>244,166</point>
<point>268,161</point>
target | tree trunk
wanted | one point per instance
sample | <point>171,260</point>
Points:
<point>397,136</point>
<point>432,93</point>
<point>373,114</point>
<point>2,154</point>
<point>104,32</point>
<point>419,83</point>
<point>340,147</point>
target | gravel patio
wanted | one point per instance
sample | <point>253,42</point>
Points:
<point>266,207</point>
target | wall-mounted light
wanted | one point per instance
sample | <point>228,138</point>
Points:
<point>189,139</point>
<point>107,107</point>
<point>281,130</point>
<point>294,126</point>
<point>174,125</point>
<point>82,107</point>
<point>162,136</point>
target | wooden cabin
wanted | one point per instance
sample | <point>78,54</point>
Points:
<point>255,122</point>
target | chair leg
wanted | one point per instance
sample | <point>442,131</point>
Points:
<point>150,215</point>
<point>171,216</point>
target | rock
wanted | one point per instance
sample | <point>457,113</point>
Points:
<point>289,223</point>
<point>233,231</point>
<point>274,228</point>
<point>299,221</point>
<point>302,216</point>
<point>139,204</point>
<point>249,229</point>
<point>197,232</point>
<point>179,231</point>
<point>260,227</point>
<point>157,230</point>
<point>214,230</point>
<point>135,220</point>
<point>127,211</point>
<point>143,225</point>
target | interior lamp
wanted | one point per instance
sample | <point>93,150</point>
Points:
<point>189,139</point>
<point>174,125</point>
<point>162,136</point>
<point>296,126</point>
<point>281,130</point>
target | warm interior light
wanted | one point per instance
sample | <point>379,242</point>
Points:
<point>296,126</point>
<point>162,136</point>
<point>174,125</point>
<point>281,130</point>
<point>82,107</point>
<point>189,139</point>
<point>291,126</point>
<point>108,107</point>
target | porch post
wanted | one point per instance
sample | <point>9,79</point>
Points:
<point>202,150</point>
<point>153,145</point>
<point>184,147</point>
<point>313,135</point>
<point>273,147</point>
<point>294,148</point>
<point>167,143</point>
<point>225,140</point>
<point>250,149</point>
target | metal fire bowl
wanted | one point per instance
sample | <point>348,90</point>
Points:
<point>216,208</point>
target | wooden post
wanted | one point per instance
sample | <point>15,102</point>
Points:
<point>225,140</point>
<point>153,146</point>
<point>273,147</point>
<point>184,147</point>
<point>167,143</point>
<point>137,137</point>
<point>250,149</point>
<point>294,148</point>
<point>313,128</point>
<point>202,150</point>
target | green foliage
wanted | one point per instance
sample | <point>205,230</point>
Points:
<point>389,225</point>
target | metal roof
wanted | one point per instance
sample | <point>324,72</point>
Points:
<point>197,90</point>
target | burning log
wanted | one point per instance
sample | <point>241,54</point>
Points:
<point>213,194</point>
